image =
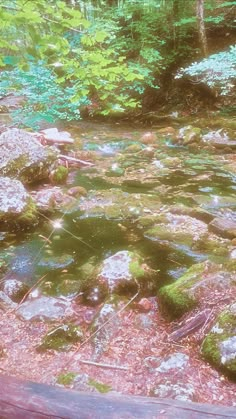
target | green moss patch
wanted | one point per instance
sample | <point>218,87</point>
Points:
<point>219,346</point>
<point>177,299</point>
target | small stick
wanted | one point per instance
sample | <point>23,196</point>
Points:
<point>28,292</point>
<point>74,160</point>
<point>100,328</point>
<point>98,364</point>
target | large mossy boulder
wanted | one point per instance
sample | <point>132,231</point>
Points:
<point>23,157</point>
<point>197,287</point>
<point>219,346</point>
<point>16,206</point>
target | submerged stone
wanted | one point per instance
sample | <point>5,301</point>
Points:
<point>219,346</point>
<point>223,227</point>
<point>55,263</point>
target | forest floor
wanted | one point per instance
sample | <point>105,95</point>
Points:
<point>128,365</point>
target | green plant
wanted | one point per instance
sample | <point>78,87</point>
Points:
<point>218,71</point>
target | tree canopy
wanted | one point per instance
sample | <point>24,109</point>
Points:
<point>101,55</point>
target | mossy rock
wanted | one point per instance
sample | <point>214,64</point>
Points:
<point>196,287</point>
<point>17,208</point>
<point>163,232</point>
<point>219,346</point>
<point>61,338</point>
<point>177,299</point>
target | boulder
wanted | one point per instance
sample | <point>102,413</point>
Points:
<point>16,206</point>
<point>219,346</point>
<point>224,227</point>
<point>23,157</point>
<point>123,272</point>
<point>197,287</point>
<point>189,134</point>
<point>45,309</point>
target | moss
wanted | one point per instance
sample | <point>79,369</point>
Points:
<point>225,329</point>
<point>136,269</point>
<point>66,379</point>
<point>230,265</point>
<point>61,338</point>
<point>29,215</point>
<point>149,220</point>
<point>176,298</point>
<point>101,387</point>
<point>59,175</point>
<point>162,232</point>
<point>113,211</point>
<point>210,349</point>
<point>174,302</point>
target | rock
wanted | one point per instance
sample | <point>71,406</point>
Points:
<point>181,229</point>
<point>200,283</point>
<point>104,327</point>
<point>178,391</point>
<point>148,138</point>
<point>61,338</point>
<point>115,204</point>
<point>177,361</point>
<point>45,309</point>
<point>123,272</point>
<point>77,191</point>
<point>6,302</point>
<point>167,131</point>
<point>219,346</point>
<point>189,134</point>
<point>16,206</point>
<point>51,198</point>
<point>14,289</point>
<point>219,139</point>
<point>55,263</point>
<point>22,156</point>
<point>223,227</point>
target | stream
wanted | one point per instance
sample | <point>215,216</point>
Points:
<point>148,195</point>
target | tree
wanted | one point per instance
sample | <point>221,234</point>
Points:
<point>201,26</point>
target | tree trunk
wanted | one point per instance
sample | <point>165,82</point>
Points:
<point>201,26</point>
<point>27,400</point>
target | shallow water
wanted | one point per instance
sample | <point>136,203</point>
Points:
<point>199,176</point>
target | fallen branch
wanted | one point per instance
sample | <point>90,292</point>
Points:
<point>190,326</point>
<point>98,364</point>
<point>74,160</point>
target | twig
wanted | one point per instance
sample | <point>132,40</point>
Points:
<point>101,327</point>
<point>74,160</point>
<point>98,364</point>
<point>28,292</point>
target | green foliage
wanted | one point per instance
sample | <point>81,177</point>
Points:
<point>76,63</point>
<point>218,71</point>
<point>44,98</point>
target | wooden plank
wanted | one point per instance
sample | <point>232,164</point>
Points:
<point>27,400</point>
